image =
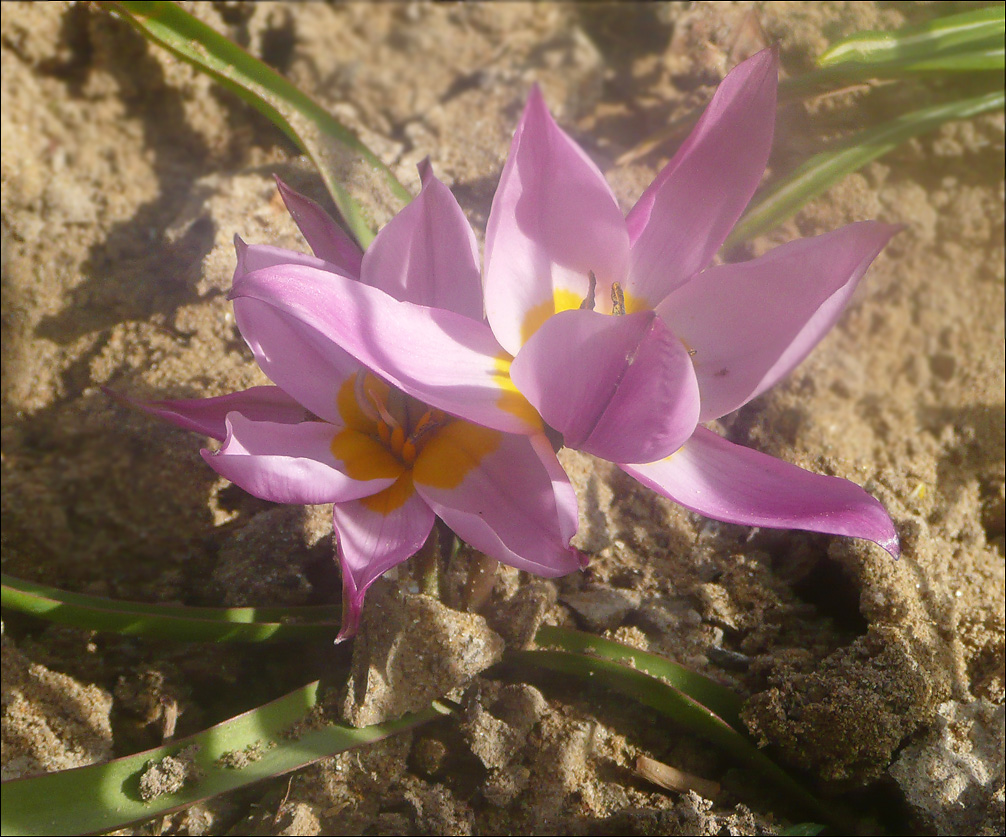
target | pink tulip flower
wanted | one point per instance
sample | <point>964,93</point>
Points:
<point>689,343</point>
<point>418,419</point>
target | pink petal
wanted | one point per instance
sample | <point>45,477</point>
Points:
<point>619,387</point>
<point>375,535</point>
<point>288,463</point>
<point>687,212</point>
<point>257,256</point>
<point>207,415</point>
<point>427,253</point>
<point>727,482</point>
<point>287,354</point>
<point>444,359</point>
<point>750,323</point>
<point>327,239</point>
<point>553,220</point>
<point>505,495</point>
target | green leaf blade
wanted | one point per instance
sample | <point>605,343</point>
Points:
<point>106,796</point>
<point>159,621</point>
<point>973,30</point>
<point>708,693</point>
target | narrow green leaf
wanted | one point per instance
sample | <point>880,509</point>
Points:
<point>710,694</point>
<point>977,29</point>
<point>677,706</point>
<point>264,742</point>
<point>325,140</point>
<point>988,58</point>
<point>783,198</point>
<point>968,42</point>
<point>160,621</point>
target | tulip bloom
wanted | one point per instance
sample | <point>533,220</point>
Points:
<point>391,446</point>
<point>688,343</point>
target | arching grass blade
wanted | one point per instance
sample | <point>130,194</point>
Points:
<point>710,694</point>
<point>678,707</point>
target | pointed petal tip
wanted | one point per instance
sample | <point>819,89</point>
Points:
<point>871,237</point>
<point>425,168</point>
<point>536,104</point>
<point>286,191</point>
<point>240,249</point>
<point>893,229</point>
<point>352,606</point>
<point>891,545</point>
<point>765,59</point>
<point>327,239</point>
<point>352,596</point>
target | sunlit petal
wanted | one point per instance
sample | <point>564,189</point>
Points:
<point>554,220</point>
<point>727,482</point>
<point>291,463</point>
<point>621,388</point>
<point>505,495</point>
<point>444,359</point>
<point>427,253</point>
<point>750,323</point>
<point>687,212</point>
<point>284,350</point>
<point>376,534</point>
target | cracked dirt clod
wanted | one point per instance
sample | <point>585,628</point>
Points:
<point>412,649</point>
<point>170,774</point>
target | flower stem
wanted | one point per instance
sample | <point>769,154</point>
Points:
<point>426,565</point>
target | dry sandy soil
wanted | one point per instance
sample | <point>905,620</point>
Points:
<point>126,176</point>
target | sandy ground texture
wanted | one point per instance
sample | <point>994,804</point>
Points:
<point>126,176</point>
